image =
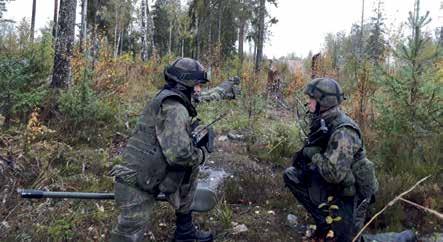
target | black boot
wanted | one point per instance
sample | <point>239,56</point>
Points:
<point>186,232</point>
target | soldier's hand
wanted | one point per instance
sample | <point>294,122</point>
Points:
<point>203,136</point>
<point>124,174</point>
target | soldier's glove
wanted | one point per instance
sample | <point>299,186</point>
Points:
<point>310,151</point>
<point>203,136</point>
<point>124,174</point>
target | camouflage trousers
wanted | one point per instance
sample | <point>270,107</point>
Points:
<point>136,208</point>
<point>312,191</point>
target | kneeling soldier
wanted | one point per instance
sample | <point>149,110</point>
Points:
<point>331,176</point>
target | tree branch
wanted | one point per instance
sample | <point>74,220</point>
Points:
<point>439,215</point>
<point>392,202</point>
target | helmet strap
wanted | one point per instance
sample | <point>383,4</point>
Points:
<point>317,108</point>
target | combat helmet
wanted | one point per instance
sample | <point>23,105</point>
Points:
<point>326,91</point>
<point>186,71</point>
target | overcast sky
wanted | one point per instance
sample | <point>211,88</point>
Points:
<point>302,25</point>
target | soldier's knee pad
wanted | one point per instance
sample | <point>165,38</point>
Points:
<point>131,224</point>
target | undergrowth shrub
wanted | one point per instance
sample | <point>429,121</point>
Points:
<point>276,142</point>
<point>83,112</point>
<point>23,78</point>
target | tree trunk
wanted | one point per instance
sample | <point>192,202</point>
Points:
<point>121,39</point>
<point>254,48</point>
<point>241,39</point>
<point>170,38</point>
<point>197,48</point>
<point>183,47</point>
<point>144,54</point>
<point>61,77</point>
<point>210,41</point>
<point>94,38</point>
<point>150,30</point>
<point>360,44</point>
<point>54,27</point>
<point>261,33</point>
<point>116,33</point>
<point>34,5</point>
<point>83,26</point>
<point>219,24</point>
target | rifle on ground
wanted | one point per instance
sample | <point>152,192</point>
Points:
<point>204,198</point>
<point>32,193</point>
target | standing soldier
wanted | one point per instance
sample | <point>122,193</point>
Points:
<point>331,176</point>
<point>161,160</point>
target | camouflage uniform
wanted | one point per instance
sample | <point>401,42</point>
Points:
<point>333,164</point>
<point>160,158</point>
<point>226,90</point>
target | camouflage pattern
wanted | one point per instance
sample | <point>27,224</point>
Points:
<point>335,163</point>
<point>227,90</point>
<point>336,166</point>
<point>326,91</point>
<point>164,128</point>
<point>186,71</point>
<point>344,229</point>
<point>173,131</point>
<point>148,153</point>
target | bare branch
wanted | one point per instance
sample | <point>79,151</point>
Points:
<point>392,202</point>
<point>439,215</point>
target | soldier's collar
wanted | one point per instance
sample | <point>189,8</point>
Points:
<point>330,114</point>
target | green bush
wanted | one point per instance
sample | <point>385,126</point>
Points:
<point>82,110</point>
<point>276,141</point>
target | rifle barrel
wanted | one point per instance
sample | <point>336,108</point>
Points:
<point>31,193</point>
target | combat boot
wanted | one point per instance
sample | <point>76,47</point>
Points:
<point>186,232</point>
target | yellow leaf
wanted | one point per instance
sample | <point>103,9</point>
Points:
<point>330,198</point>
<point>329,220</point>
<point>337,219</point>
<point>333,206</point>
<point>322,205</point>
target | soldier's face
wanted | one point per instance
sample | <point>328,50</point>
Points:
<point>312,103</point>
<point>197,89</point>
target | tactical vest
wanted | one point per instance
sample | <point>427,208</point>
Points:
<point>143,152</point>
<point>363,170</point>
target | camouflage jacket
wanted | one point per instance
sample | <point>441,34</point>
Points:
<point>173,130</point>
<point>161,142</point>
<point>341,149</point>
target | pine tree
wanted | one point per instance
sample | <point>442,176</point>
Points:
<point>376,43</point>
<point>414,95</point>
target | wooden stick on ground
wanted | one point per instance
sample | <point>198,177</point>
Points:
<point>439,215</point>
<point>392,202</point>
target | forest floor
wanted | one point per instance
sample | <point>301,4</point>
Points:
<point>254,204</point>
